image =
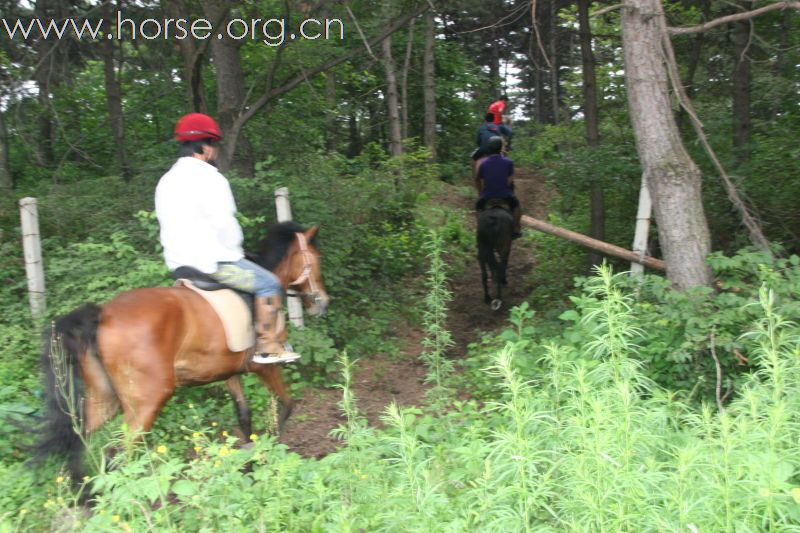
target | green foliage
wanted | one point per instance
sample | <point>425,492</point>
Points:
<point>437,337</point>
<point>575,437</point>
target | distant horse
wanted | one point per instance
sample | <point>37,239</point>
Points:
<point>495,229</point>
<point>134,351</point>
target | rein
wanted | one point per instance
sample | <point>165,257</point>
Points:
<point>305,275</point>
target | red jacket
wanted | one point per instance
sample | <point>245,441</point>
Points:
<point>497,109</point>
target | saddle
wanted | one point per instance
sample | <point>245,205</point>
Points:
<point>493,203</point>
<point>233,307</point>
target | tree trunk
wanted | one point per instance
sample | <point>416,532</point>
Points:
<point>44,77</point>
<point>597,229</point>
<point>695,54</point>
<point>741,81</point>
<point>404,80</point>
<point>553,51</point>
<point>672,176</point>
<point>589,78</point>
<point>428,73</point>
<point>114,97</point>
<point>6,179</point>
<point>494,64</point>
<point>230,89</point>
<point>192,61</point>
<point>395,134</point>
<point>331,131</point>
<point>782,66</point>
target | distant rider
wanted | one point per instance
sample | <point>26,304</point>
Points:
<point>488,130</point>
<point>497,107</point>
<point>494,180</point>
<point>196,212</point>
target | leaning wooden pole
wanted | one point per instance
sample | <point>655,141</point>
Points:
<point>32,247</point>
<point>643,214</point>
<point>594,244</point>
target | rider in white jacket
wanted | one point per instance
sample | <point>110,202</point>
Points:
<point>196,212</point>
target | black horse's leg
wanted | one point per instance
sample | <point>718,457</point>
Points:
<point>234,385</point>
<point>504,253</point>
<point>484,276</point>
<point>498,275</point>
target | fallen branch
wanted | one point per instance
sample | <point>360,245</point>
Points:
<point>594,244</point>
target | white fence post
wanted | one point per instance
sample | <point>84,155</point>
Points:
<point>642,227</point>
<point>284,210</point>
<point>33,255</point>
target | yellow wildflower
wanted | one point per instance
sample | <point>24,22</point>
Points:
<point>161,449</point>
<point>197,449</point>
<point>115,518</point>
<point>195,435</point>
<point>60,479</point>
<point>217,462</point>
<point>253,437</point>
<point>224,433</point>
<point>191,406</point>
<point>213,424</point>
<point>224,451</point>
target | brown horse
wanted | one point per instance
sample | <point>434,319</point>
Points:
<point>134,351</point>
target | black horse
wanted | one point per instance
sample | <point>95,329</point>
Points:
<point>495,229</point>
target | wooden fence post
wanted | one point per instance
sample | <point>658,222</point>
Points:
<point>33,256</point>
<point>284,211</point>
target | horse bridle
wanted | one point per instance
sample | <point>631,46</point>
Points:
<point>305,275</point>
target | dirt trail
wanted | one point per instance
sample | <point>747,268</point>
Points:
<point>469,316</point>
<point>380,380</point>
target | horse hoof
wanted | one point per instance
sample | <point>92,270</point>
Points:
<point>496,304</point>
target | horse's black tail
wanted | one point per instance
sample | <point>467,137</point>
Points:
<point>71,337</point>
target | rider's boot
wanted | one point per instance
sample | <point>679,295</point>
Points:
<point>271,331</point>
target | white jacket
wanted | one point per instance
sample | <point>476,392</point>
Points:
<point>195,209</point>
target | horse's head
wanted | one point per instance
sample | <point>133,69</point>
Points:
<point>291,254</point>
<point>304,273</point>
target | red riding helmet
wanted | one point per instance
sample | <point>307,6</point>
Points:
<point>197,126</point>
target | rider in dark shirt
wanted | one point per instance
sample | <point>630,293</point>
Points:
<point>494,180</point>
<point>488,130</point>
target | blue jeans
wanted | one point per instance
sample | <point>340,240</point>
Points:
<point>249,277</point>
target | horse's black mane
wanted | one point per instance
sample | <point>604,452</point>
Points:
<point>274,247</point>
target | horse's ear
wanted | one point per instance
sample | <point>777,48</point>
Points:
<point>311,232</point>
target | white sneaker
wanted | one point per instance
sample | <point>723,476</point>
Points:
<point>285,357</point>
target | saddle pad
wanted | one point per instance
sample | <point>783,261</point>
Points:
<point>232,312</point>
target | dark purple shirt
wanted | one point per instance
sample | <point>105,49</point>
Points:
<point>495,172</point>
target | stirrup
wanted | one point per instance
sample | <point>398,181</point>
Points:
<point>278,358</point>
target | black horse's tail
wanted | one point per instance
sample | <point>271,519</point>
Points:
<point>71,337</point>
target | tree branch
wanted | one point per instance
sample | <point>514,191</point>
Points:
<point>685,30</point>
<point>748,219</point>
<point>718,388</point>
<point>299,77</point>
<point>603,11</point>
